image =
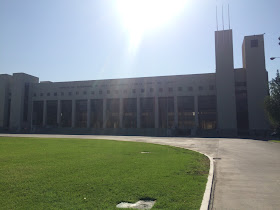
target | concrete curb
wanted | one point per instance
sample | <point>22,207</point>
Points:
<point>208,189</point>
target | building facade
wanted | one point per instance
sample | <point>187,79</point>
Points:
<point>228,102</point>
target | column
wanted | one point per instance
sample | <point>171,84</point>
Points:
<point>196,111</point>
<point>88,113</point>
<point>121,112</point>
<point>176,111</point>
<point>44,113</point>
<point>156,112</point>
<point>73,113</point>
<point>138,113</point>
<point>104,113</point>
<point>58,113</point>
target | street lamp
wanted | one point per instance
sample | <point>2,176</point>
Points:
<point>272,58</point>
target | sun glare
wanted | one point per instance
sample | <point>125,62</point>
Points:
<point>139,16</point>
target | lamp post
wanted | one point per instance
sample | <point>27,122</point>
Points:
<point>272,58</point>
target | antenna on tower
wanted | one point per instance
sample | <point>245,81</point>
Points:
<point>217,18</point>
<point>223,17</point>
<point>228,18</point>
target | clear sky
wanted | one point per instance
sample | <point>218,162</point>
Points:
<point>68,40</point>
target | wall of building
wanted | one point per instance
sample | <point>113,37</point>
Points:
<point>5,85</point>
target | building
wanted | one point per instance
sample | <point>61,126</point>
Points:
<point>226,103</point>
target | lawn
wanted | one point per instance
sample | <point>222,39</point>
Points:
<point>37,173</point>
<point>278,141</point>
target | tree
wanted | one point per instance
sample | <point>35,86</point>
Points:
<point>272,102</point>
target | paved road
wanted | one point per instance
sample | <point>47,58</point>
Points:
<point>247,172</point>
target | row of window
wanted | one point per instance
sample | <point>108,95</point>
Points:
<point>170,89</point>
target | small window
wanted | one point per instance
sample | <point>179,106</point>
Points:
<point>92,92</point>
<point>200,88</point>
<point>254,43</point>
<point>151,90</point>
<point>41,94</point>
<point>55,94</point>
<point>190,88</point>
<point>180,88</point>
<point>108,91</point>
<point>142,90</point>
<point>211,87</point>
<point>116,92</point>
<point>48,94</point>
<point>100,91</point>
<point>34,95</point>
<point>77,93</point>
<point>161,90</point>
<point>85,92</point>
<point>70,93</point>
<point>125,91</point>
<point>62,93</point>
<point>170,89</point>
<point>134,91</point>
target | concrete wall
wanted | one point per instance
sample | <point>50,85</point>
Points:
<point>17,100</point>
<point>225,83</point>
<point>257,80</point>
<point>5,83</point>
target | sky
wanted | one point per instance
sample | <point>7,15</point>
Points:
<point>71,40</point>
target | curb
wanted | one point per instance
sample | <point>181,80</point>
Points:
<point>208,189</point>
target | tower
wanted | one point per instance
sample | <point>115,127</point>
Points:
<point>257,81</point>
<point>225,83</point>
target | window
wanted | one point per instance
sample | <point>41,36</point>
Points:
<point>134,91</point>
<point>190,88</point>
<point>77,93</point>
<point>55,94</point>
<point>116,92</point>
<point>92,92</point>
<point>125,91</point>
<point>85,92</point>
<point>254,43</point>
<point>48,94</point>
<point>142,90</point>
<point>161,90</point>
<point>100,91</point>
<point>70,93</point>
<point>41,94</point>
<point>200,88</point>
<point>151,90</point>
<point>170,89</point>
<point>211,87</point>
<point>62,93</point>
<point>108,91</point>
<point>240,84</point>
<point>34,95</point>
<point>180,88</point>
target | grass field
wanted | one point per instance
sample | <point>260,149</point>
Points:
<point>98,174</point>
<point>278,141</point>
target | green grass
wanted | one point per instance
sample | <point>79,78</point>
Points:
<point>60,173</point>
<point>275,141</point>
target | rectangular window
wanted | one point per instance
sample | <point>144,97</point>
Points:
<point>160,90</point>
<point>81,113</point>
<point>96,113</point>
<point>200,88</point>
<point>166,112</point>
<point>147,111</point>
<point>186,113</point>
<point>190,88</point>
<point>170,89</point>
<point>130,113</point>
<point>180,89</point>
<point>254,43</point>
<point>66,113</point>
<point>113,113</point>
<point>207,112</point>
<point>37,116</point>
<point>51,113</point>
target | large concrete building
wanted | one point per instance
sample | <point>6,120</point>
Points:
<point>226,103</point>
